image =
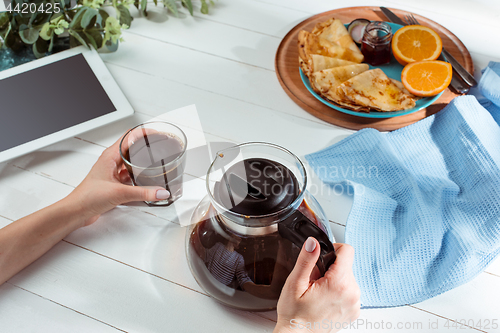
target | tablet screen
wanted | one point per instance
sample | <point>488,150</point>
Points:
<point>48,99</point>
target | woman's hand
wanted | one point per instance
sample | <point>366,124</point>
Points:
<point>323,305</point>
<point>25,240</point>
<point>104,187</point>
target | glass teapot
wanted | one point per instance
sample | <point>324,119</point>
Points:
<point>246,234</point>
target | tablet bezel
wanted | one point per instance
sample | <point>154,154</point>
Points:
<point>123,107</point>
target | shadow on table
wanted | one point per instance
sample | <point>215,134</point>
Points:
<point>168,261</point>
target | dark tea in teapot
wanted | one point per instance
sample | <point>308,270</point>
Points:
<point>235,248</point>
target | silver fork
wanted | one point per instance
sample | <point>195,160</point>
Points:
<point>410,19</point>
<point>459,69</point>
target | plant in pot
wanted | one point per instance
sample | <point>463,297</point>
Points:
<point>35,28</point>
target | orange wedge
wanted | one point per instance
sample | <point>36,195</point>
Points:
<point>416,43</point>
<point>426,78</point>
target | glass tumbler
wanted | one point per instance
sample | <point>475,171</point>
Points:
<point>154,154</point>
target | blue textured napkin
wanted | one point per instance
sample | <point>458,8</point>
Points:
<point>426,210</point>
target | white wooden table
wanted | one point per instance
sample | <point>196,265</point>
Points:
<point>128,271</point>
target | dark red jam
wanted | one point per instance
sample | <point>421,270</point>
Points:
<point>376,43</point>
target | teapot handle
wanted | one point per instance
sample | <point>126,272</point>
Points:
<point>297,228</point>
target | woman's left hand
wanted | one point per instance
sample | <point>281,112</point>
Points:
<point>104,187</point>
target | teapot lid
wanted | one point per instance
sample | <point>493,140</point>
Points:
<point>256,186</point>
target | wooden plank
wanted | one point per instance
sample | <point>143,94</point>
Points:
<point>115,230</point>
<point>220,115</point>
<point>477,301</point>
<point>70,160</point>
<point>165,37</point>
<point>237,81</point>
<point>4,221</point>
<point>222,40</point>
<point>479,12</point>
<point>67,161</point>
<point>23,192</point>
<point>494,268</point>
<point>105,136</point>
<point>402,319</point>
<point>111,226</point>
<point>276,18</point>
<point>23,311</point>
<point>127,298</point>
<point>480,62</point>
<point>246,84</point>
<point>272,20</point>
<point>139,240</point>
<point>460,17</point>
<point>129,236</point>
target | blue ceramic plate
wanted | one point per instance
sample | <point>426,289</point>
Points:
<point>392,70</point>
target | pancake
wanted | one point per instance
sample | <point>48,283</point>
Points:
<point>320,62</point>
<point>325,82</point>
<point>309,44</point>
<point>373,89</point>
<point>334,31</point>
<point>305,67</point>
<point>402,87</point>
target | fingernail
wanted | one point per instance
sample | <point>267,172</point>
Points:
<point>310,244</point>
<point>162,194</point>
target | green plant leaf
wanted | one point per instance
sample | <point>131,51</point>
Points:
<point>41,18</point>
<point>189,5</point>
<point>29,35</point>
<point>204,7</point>
<point>51,45</point>
<point>37,54</point>
<point>172,6</point>
<point>5,30</point>
<point>65,3</point>
<point>77,36</point>
<point>92,22</point>
<point>4,20</point>
<point>58,17</point>
<point>40,48</point>
<point>42,45</point>
<point>144,4</point>
<point>14,23</point>
<point>97,35</point>
<point>10,40</point>
<point>33,17</point>
<point>87,17</point>
<point>94,37</point>
<point>101,18</point>
<point>125,17</point>
<point>77,19</point>
<point>46,32</point>
<point>22,26</point>
<point>90,40</point>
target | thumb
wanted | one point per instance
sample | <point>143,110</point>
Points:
<point>309,254</point>
<point>145,193</point>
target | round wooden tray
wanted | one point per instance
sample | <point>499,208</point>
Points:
<point>287,70</point>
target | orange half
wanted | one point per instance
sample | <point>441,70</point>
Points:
<point>416,43</point>
<point>426,78</point>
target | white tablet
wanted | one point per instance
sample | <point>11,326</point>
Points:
<point>55,98</point>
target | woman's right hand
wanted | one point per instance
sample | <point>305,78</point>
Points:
<point>332,301</point>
